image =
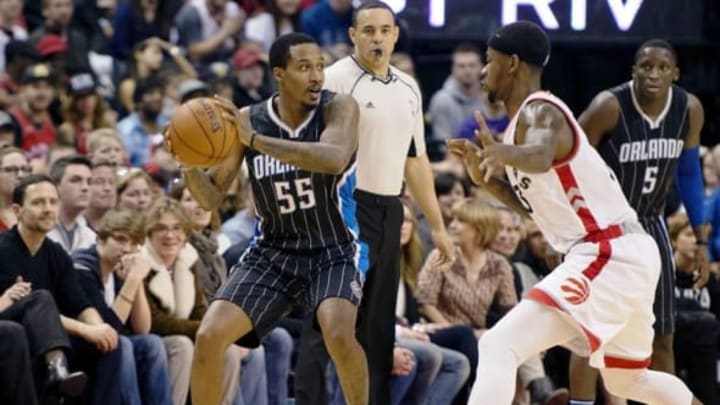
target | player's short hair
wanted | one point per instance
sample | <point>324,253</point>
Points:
<point>18,196</point>
<point>121,221</point>
<point>525,39</point>
<point>657,43</point>
<point>370,5</point>
<point>480,215</point>
<point>280,49</point>
<point>57,171</point>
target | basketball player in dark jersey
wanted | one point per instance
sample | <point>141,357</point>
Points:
<point>648,132</point>
<point>299,147</point>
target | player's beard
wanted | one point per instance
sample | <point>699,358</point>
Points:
<point>308,106</point>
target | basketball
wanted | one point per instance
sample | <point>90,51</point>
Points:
<point>198,135</point>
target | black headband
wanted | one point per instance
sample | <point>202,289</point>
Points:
<point>532,53</point>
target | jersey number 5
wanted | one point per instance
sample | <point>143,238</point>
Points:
<point>650,179</point>
<point>287,199</point>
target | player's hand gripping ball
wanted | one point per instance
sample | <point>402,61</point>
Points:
<point>198,136</point>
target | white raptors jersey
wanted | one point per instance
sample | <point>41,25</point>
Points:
<point>578,196</point>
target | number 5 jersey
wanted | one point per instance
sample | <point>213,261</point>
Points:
<point>643,152</point>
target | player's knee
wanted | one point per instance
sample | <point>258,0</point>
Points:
<point>491,341</point>
<point>211,337</point>
<point>619,381</point>
<point>339,338</point>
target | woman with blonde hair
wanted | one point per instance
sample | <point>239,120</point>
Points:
<point>105,145</point>
<point>463,292</point>
<point>176,297</point>
<point>134,190</point>
<point>446,356</point>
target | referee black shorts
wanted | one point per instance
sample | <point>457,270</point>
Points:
<point>268,282</point>
<point>664,306</point>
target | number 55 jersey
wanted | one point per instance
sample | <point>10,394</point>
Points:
<point>298,209</point>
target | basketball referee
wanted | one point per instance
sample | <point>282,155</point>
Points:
<point>391,146</point>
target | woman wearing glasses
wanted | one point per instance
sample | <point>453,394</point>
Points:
<point>13,167</point>
<point>176,298</point>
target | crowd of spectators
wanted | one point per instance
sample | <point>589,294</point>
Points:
<point>96,222</point>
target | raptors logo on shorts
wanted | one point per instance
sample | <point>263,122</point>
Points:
<point>575,291</point>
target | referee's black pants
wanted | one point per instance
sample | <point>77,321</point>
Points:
<point>380,219</point>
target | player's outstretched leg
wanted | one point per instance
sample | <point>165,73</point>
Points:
<point>222,325</point>
<point>526,330</point>
<point>583,379</point>
<point>336,317</point>
<point>647,386</point>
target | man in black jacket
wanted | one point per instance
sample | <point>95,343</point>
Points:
<point>32,341</point>
<point>26,252</point>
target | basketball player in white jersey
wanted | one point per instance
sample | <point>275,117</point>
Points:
<point>599,301</point>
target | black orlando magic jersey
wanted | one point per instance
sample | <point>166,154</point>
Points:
<point>643,152</point>
<point>298,209</point>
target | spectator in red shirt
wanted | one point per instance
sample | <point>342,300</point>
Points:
<point>37,91</point>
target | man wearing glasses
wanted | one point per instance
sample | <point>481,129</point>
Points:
<point>13,167</point>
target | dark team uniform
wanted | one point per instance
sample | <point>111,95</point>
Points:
<point>304,248</point>
<point>643,155</point>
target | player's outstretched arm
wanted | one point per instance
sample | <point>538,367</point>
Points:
<point>330,154</point>
<point>600,117</point>
<point>209,188</point>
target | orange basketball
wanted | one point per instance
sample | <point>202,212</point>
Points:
<point>199,136</point>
